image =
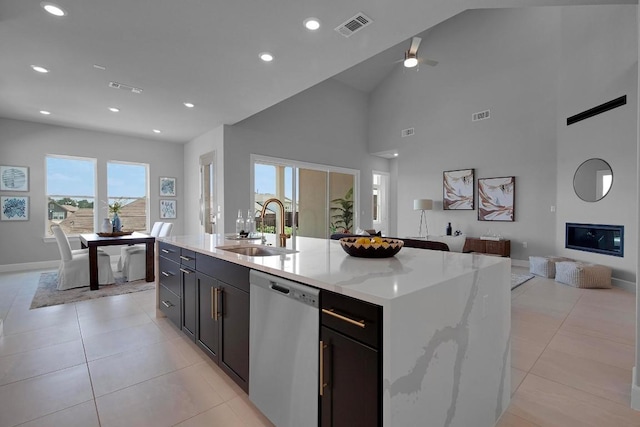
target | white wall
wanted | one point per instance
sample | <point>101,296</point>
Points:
<point>211,141</point>
<point>599,63</point>
<point>532,68</point>
<point>326,124</point>
<point>26,144</point>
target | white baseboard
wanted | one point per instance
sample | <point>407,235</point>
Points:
<point>635,391</point>
<point>519,263</point>
<point>25,266</point>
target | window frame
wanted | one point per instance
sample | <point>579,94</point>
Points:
<point>147,196</point>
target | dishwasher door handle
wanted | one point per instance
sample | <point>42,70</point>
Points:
<point>281,289</point>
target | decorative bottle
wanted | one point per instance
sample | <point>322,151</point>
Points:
<point>250,223</point>
<point>106,226</point>
<point>449,229</point>
<point>116,223</point>
<point>239,223</point>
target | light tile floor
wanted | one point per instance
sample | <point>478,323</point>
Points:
<point>572,352</point>
<point>111,362</point>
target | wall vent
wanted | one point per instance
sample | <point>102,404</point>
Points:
<point>408,132</point>
<point>116,85</point>
<point>352,25</point>
<point>618,102</point>
<point>482,115</point>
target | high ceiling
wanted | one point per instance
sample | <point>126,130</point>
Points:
<point>204,52</point>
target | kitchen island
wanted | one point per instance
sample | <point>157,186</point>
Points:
<point>445,322</point>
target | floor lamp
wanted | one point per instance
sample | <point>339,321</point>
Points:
<point>423,205</point>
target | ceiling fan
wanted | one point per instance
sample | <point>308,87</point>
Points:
<point>411,56</point>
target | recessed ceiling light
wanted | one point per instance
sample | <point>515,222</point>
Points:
<point>157,131</point>
<point>39,69</point>
<point>45,112</point>
<point>312,24</point>
<point>189,104</point>
<point>114,109</point>
<point>266,56</point>
<point>53,9</point>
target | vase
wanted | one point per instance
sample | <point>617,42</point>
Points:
<point>117,226</point>
<point>106,226</point>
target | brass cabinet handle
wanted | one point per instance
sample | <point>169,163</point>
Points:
<point>331,312</point>
<point>164,273</point>
<point>185,271</point>
<point>185,258</point>
<point>167,304</point>
<point>322,383</point>
<point>212,304</point>
<point>217,313</point>
<point>164,251</point>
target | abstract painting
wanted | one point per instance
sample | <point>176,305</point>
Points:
<point>167,187</point>
<point>496,198</point>
<point>458,190</point>
<point>14,178</point>
<point>14,208</point>
<point>167,209</point>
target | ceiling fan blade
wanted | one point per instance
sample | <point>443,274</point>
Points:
<point>415,42</point>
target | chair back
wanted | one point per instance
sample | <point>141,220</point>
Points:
<point>166,229</point>
<point>155,230</point>
<point>63,242</point>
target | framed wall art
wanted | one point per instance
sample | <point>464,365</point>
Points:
<point>496,198</point>
<point>168,209</point>
<point>167,186</point>
<point>14,178</point>
<point>458,189</point>
<point>14,208</point>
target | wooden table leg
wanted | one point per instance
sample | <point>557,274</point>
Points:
<point>93,268</point>
<point>150,261</point>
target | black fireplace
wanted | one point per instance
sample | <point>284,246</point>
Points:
<point>599,238</point>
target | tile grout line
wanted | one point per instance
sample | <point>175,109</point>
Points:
<point>86,362</point>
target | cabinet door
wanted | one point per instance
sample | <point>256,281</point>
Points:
<point>189,309</point>
<point>207,330</point>
<point>351,397</point>
<point>234,334</point>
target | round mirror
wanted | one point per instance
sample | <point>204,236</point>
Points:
<point>593,180</point>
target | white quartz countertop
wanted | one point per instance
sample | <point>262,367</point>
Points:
<point>322,263</point>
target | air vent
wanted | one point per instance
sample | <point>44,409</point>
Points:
<point>351,25</point>
<point>482,115</point>
<point>116,85</point>
<point>408,132</point>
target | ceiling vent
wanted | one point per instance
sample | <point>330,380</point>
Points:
<point>482,115</point>
<point>352,25</point>
<point>408,132</point>
<point>116,85</point>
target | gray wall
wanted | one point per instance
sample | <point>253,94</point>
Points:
<point>532,68</point>
<point>26,144</point>
<point>326,124</point>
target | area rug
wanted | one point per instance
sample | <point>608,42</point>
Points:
<point>519,279</point>
<point>47,295</point>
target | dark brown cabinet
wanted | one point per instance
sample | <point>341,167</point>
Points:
<point>189,292</point>
<point>491,247</point>
<point>350,362</point>
<point>223,316</point>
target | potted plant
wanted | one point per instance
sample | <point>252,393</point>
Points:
<point>343,217</point>
<point>115,208</point>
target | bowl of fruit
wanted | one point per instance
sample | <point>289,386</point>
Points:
<point>371,246</point>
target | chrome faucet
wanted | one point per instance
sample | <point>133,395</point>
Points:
<point>282,235</point>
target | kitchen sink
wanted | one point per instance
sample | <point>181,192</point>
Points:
<point>255,250</point>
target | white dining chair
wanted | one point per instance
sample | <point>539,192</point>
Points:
<point>134,264</point>
<point>125,251</point>
<point>74,266</point>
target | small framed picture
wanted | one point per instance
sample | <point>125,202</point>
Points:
<point>14,178</point>
<point>14,208</point>
<point>168,209</point>
<point>496,198</point>
<point>167,186</point>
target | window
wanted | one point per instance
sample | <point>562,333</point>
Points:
<point>127,186</point>
<point>70,192</point>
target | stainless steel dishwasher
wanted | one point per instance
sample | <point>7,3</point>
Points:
<point>283,350</point>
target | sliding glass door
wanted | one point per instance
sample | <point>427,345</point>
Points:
<point>319,200</point>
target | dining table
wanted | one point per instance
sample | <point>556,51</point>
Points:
<point>94,240</point>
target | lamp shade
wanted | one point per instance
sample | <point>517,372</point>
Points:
<point>422,204</point>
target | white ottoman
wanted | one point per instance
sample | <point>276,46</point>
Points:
<point>545,266</point>
<point>583,275</point>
